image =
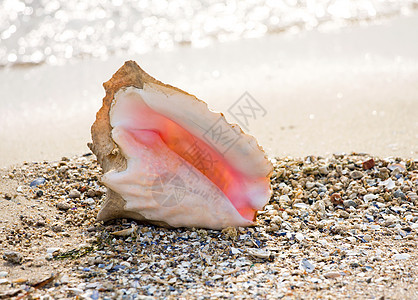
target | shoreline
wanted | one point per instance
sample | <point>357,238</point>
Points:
<point>354,90</point>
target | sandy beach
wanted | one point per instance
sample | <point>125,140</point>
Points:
<point>333,228</point>
<point>354,90</point>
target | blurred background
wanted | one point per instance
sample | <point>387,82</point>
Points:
<point>333,76</point>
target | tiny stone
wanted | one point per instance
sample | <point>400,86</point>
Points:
<point>90,201</point>
<point>323,170</point>
<point>3,274</point>
<point>383,173</point>
<point>20,280</point>
<point>56,228</point>
<point>348,203</point>
<point>351,166</point>
<point>7,196</point>
<point>91,193</point>
<point>356,174</point>
<point>332,275</point>
<point>368,164</point>
<point>76,291</point>
<point>413,196</point>
<point>310,184</point>
<point>299,236</point>
<point>367,238</point>
<point>344,214</point>
<point>63,206</point>
<point>4,281</point>
<point>336,199</point>
<point>74,194</point>
<point>399,194</point>
<point>13,257</point>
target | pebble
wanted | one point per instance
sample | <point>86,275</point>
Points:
<point>336,199</point>
<point>399,194</point>
<point>76,291</point>
<point>320,236</point>
<point>90,201</point>
<point>349,203</point>
<point>323,170</point>
<point>356,174</point>
<point>344,214</point>
<point>64,279</point>
<point>368,164</point>
<point>3,274</point>
<point>74,194</point>
<point>63,206</point>
<point>4,281</point>
<point>309,185</point>
<point>332,275</point>
<point>235,250</point>
<point>13,257</point>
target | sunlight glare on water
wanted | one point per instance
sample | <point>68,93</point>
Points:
<point>54,31</point>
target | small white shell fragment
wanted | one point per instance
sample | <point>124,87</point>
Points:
<point>52,250</point>
<point>299,236</point>
<point>369,197</point>
<point>125,232</point>
<point>306,265</point>
<point>388,183</point>
<point>235,250</point>
<point>401,256</point>
<point>261,253</point>
<point>301,205</point>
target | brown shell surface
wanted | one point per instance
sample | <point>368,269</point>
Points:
<point>107,152</point>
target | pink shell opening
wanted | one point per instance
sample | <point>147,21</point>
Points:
<point>246,193</point>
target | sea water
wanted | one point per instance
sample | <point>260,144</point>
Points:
<point>54,31</point>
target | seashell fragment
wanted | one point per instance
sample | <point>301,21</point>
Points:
<point>168,160</point>
<point>125,232</point>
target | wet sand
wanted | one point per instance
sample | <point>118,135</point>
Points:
<point>352,90</point>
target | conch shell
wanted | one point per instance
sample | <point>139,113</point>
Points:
<point>168,160</point>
